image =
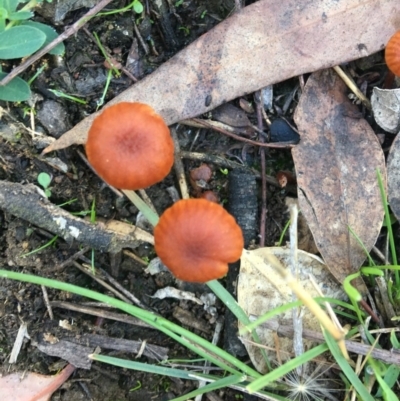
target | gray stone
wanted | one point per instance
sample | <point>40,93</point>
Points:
<point>54,118</point>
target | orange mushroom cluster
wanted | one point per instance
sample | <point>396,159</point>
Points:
<point>196,239</point>
<point>392,54</point>
<point>130,146</point>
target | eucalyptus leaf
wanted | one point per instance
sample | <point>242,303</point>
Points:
<point>17,90</point>
<point>50,33</point>
<point>20,41</point>
<point>20,15</point>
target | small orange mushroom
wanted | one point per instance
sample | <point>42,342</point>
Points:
<point>130,146</point>
<point>196,239</point>
<point>392,54</point>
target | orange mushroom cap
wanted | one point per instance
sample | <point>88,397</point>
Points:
<point>196,239</point>
<point>392,54</point>
<point>130,146</point>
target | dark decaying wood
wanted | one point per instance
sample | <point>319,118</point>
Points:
<point>26,202</point>
<point>243,206</point>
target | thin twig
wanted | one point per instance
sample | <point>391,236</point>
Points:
<point>124,291</point>
<point>47,303</point>
<point>352,86</point>
<point>68,261</point>
<point>87,270</point>
<point>179,170</point>
<point>198,122</point>
<point>110,58</point>
<point>65,35</point>
<point>297,313</point>
<point>263,213</point>
<point>147,199</point>
<point>217,334</point>
<point>142,42</point>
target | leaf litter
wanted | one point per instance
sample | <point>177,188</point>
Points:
<point>237,57</point>
<point>336,164</point>
<point>338,155</point>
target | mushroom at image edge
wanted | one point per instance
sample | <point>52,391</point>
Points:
<point>196,239</point>
<point>130,146</point>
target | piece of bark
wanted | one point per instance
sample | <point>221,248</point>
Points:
<point>238,57</point>
<point>336,163</point>
<point>106,314</point>
<point>243,206</point>
<point>75,354</point>
<point>120,344</point>
<point>26,202</point>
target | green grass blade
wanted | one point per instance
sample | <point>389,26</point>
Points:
<point>231,303</point>
<point>292,364</point>
<point>221,383</point>
<point>347,369</point>
<point>190,340</point>
<point>142,367</point>
<point>388,223</point>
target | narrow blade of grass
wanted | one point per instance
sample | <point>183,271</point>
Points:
<point>292,364</point>
<point>347,369</point>
<point>221,383</point>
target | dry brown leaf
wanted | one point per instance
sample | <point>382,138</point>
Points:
<point>386,108</point>
<point>29,386</point>
<point>257,295</point>
<point>266,42</point>
<point>393,171</point>
<point>336,163</point>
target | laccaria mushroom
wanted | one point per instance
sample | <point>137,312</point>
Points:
<point>196,239</point>
<point>392,54</point>
<point>130,146</point>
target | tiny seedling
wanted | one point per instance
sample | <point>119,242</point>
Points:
<point>136,5</point>
<point>20,37</point>
<point>185,30</point>
<point>68,97</point>
<point>44,181</point>
<point>46,245</point>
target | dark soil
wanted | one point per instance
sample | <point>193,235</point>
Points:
<point>81,73</point>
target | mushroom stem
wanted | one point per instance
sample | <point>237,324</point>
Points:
<point>150,215</point>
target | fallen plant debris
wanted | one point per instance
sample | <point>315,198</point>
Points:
<point>336,163</point>
<point>30,203</point>
<point>20,386</point>
<point>257,296</point>
<point>236,57</point>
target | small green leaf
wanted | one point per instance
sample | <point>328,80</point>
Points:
<point>11,5</point>
<point>374,271</point>
<point>3,13</point>
<point>17,90</point>
<point>393,339</point>
<point>44,180</point>
<point>20,15</point>
<point>50,33</point>
<point>351,291</point>
<point>138,7</point>
<point>20,41</point>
